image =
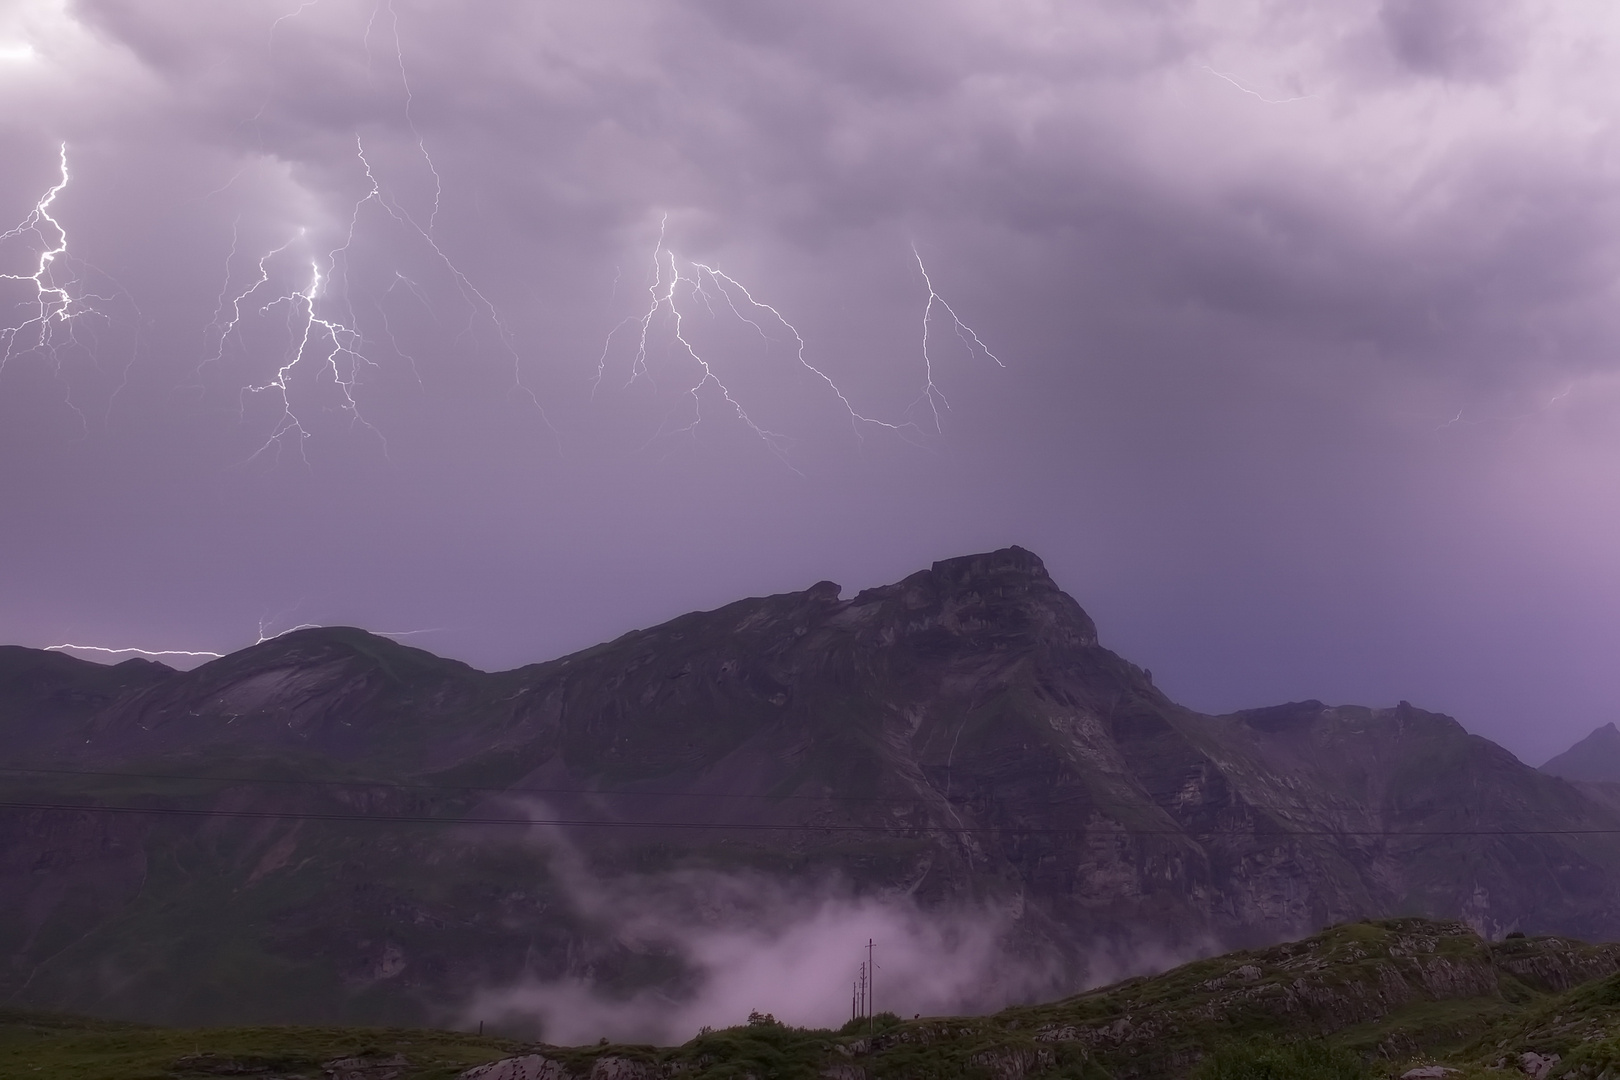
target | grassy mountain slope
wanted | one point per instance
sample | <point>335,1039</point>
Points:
<point>1394,995</point>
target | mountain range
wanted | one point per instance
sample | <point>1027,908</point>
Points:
<point>331,826</point>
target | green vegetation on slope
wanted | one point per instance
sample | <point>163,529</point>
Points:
<point>35,1046</point>
<point>1273,1060</point>
<point>1360,1000</point>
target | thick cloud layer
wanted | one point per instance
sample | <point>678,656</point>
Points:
<point>1307,318</point>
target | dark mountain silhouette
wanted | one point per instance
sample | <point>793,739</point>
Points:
<point>283,834</point>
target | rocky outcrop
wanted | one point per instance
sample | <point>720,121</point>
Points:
<point>525,1067</point>
<point>540,1067</point>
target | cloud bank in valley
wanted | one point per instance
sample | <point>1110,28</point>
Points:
<point>736,942</point>
<point>793,956</point>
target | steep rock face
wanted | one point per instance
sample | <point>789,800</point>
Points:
<point>959,737</point>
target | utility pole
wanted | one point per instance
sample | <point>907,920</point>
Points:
<point>871,979</point>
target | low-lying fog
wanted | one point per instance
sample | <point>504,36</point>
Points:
<point>754,943</point>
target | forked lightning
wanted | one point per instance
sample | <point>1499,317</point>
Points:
<point>705,283</point>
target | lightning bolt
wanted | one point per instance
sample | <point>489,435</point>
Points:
<point>305,6</point>
<point>336,342</point>
<point>339,339</point>
<point>208,654</point>
<point>60,296</point>
<point>388,330</point>
<point>725,283</point>
<point>325,332</point>
<point>661,295</point>
<point>707,284</point>
<point>132,650</point>
<point>227,326</point>
<point>1508,418</point>
<point>931,393</point>
<point>1252,93</point>
<point>53,304</point>
<point>421,143</point>
<point>51,312</point>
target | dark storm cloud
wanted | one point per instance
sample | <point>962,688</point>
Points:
<point>1308,318</point>
<point>1449,38</point>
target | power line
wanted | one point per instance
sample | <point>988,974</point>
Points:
<point>403,786</point>
<point>947,830</point>
<point>916,800</point>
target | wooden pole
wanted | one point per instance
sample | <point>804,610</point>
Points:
<point>871,988</point>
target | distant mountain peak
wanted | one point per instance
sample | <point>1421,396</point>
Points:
<point>1594,758</point>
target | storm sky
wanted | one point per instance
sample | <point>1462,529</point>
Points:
<point>1294,343</point>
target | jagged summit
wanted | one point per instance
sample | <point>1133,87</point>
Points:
<point>1007,562</point>
<point>1009,568</point>
<point>998,592</point>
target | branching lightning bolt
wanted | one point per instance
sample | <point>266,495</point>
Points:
<point>339,339</point>
<point>708,283</point>
<point>54,306</point>
<point>388,330</point>
<point>335,341</point>
<point>60,298</point>
<point>343,340</point>
<point>332,338</point>
<point>662,298</point>
<point>722,281</point>
<point>931,392</point>
<point>53,303</point>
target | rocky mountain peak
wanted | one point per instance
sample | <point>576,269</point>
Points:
<point>1006,565</point>
<point>1005,592</point>
<point>824,591</point>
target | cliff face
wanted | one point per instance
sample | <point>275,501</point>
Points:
<point>958,737</point>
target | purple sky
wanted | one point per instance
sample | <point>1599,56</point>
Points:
<point>1308,318</point>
